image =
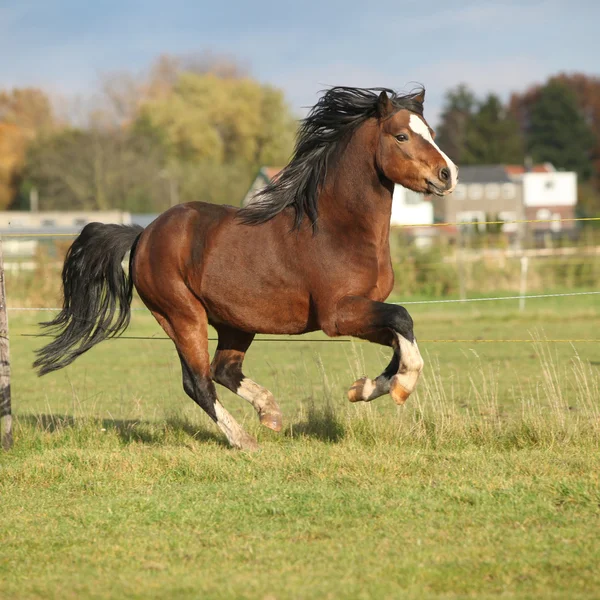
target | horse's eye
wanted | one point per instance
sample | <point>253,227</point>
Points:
<point>402,137</point>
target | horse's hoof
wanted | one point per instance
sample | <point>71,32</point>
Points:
<point>360,390</point>
<point>271,419</point>
<point>398,392</point>
<point>248,444</point>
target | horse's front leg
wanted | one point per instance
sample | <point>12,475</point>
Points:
<point>386,324</point>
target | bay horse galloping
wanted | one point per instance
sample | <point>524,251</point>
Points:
<point>310,252</point>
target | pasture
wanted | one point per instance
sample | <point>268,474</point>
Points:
<point>484,484</point>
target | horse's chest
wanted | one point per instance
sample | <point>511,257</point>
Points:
<point>385,276</point>
<point>381,276</point>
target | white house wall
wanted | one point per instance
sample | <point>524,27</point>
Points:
<point>410,214</point>
<point>550,189</point>
<point>16,220</point>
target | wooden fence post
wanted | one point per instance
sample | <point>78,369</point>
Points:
<point>5,404</point>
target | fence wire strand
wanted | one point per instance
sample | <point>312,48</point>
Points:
<point>351,340</point>
<point>408,302</point>
<point>404,226</point>
<point>450,301</point>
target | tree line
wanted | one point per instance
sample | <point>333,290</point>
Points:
<point>200,127</point>
<point>190,129</point>
<point>556,122</point>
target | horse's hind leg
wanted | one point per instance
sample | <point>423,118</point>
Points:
<point>189,331</point>
<point>226,369</point>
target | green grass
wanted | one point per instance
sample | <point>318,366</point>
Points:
<point>486,484</point>
<point>131,378</point>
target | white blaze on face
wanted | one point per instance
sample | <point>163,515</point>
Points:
<point>418,126</point>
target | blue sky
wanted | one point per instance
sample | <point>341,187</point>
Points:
<point>303,46</point>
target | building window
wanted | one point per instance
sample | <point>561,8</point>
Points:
<point>48,223</point>
<point>549,184</point>
<point>476,191</point>
<point>460,191</point>
<point>80,222</point>
<point>543,214</point>
<point>508,191</point>
<point>492,191</point>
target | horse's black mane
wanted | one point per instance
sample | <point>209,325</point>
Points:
<point>337,113</point>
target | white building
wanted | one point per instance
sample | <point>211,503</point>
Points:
<point>16,221</point>
<point>550,196</point>
<point>410,208</point>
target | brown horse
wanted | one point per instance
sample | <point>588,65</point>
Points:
<point>311,252</point>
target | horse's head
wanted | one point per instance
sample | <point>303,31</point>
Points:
<point>407,153</point>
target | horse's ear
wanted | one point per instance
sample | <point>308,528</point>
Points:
<point>420,97</point>
<point>384,105</point>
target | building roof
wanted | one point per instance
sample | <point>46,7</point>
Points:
<point>483,174</point>
<point>499,173</point>
<point>520,169</point>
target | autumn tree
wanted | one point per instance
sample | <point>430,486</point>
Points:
<point>194,128</point>
<point>24,113</point>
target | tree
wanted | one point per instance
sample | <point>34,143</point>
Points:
<point>460,103</point>
<point>124,92</point>
<point>27,108</point>
<point>12,153</point>
<point>98,169</point>
<point>557,131</point>
<point>194,128</point>
<point>24,113</point>
<point>492,135</point>
<point>223,121</point>
<point>587,92</point>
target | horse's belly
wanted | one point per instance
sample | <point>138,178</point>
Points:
<point>260,310</point>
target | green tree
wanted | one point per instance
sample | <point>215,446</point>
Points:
<point>206,117</point>
<point>97,169</point>
<point>558,132</point>
<point>195,128</point>
<point>459,105</point>
<point>492,135</point>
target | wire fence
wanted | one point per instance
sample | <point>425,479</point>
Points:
<point>448,301</point>
<point>404,225</point>
<point>344,340</point>
<point>405,303</point>
<point>355,340</point>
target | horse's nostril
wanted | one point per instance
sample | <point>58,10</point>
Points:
<point>445,174</point>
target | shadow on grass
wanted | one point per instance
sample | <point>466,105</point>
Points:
<point>128,430</point>
<point>320,423</point>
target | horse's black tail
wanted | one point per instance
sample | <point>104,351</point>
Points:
<point>97,294</point>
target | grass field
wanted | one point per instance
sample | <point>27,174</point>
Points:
<point>486,484</point>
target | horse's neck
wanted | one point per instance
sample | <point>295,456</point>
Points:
<point>355,197</point>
